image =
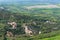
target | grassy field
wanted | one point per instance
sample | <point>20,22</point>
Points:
<point>53,38</point>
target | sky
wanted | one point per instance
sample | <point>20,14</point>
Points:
<point>29,0</point>
<point>50,1</point>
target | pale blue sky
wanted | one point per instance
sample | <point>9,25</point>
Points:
<point>29,0</point>
<point>55,1</point>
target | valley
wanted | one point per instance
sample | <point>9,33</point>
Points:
<point>30,20</point>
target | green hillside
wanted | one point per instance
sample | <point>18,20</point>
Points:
<point>45,20</point>
<point>53,38</point>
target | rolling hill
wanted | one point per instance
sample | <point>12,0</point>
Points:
<point>46,15</point>
<point>52,38</point>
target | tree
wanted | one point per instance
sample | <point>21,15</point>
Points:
<point>12,18</point>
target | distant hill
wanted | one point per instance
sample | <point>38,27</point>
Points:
<point>42,6</point>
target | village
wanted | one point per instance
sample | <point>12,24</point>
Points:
<point>27,29</point>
